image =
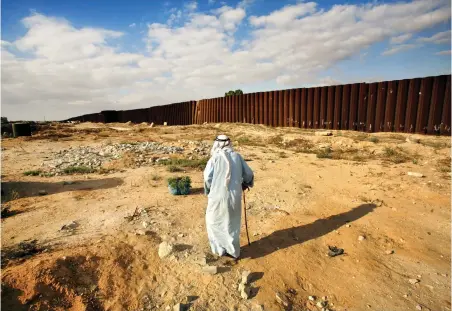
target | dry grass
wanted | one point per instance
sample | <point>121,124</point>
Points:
<point>443,165</point>
<point>436,144</point>
<point>396,156</point>
<point>199,164</point>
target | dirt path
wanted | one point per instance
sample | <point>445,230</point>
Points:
<point>311,192</point>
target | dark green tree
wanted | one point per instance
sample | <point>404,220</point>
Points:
<point>232,93</point>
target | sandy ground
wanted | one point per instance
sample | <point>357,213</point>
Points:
<point>300,205</point>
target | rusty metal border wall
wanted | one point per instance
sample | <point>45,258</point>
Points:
<point>419,105</point>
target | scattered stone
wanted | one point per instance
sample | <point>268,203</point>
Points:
<point>179,307</point>
<point>145,224</point>
<point>414,174</point>
<point>42,192</point>
<point>210,269</point>
<point>418,307</point>
<point>335,251</point>
<point>257,308</point>
<point>282,300</point>
<point>152,124</point>
<point>323,133</point>
<point>413,140</point>
<point>217,125</point>
<point>165,123</point>
<point>140,232</point>
<point>246,277</point>
<point>413,281</point>
<point>245,291</point>
<point>69,227</point>
<point>348,226</point>
<point>324,298</point>
<point>165,249</point>
<point>181,235</point>
<point>389,252</point>
<point>361,238</point>
<point>321,304</point>
<point>311,298</point>
<point>93,157</point>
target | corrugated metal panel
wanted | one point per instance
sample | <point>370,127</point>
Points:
<point>285,107</point>
<point>323,104</point>
<point>353,116</point>
<point>391,100</point>
<point>261,107</point>
<point>252,108</point>
<point>412,104</point>
<point>337,107</point>
<point>345,106</point>
<point>310,109</point>
<point>270,108</point>
<point>401,104</point>
<point>425,96</point>
<point>304,108</point>
<point>381,103</point>
<point>297,107</point>
<point>362,106</point>
<point>445,119</point>
<point>265,103</point>
<point>371,106</point>
<point>330,108</point>
<point>280,108</point>
<point>316,108</point>
<point>275,108</point>
<point>291,116</point>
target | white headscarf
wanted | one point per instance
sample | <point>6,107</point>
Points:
<point>221,145</point>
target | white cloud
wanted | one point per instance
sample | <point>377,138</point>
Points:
<point>439,38</point>
<point>444,53</point>
<point>284,16</point>
<point>133,25</point>
<point>400,39</point>
<point>211,2</point>
<point>191,6</point>
<point>399,48</point>
<point>69,71</point>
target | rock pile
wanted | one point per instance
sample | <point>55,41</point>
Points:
<point>95,156</point>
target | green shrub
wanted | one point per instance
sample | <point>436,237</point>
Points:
<point>33,173</point>
<point>78,170</point>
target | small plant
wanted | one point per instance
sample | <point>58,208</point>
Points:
<point>33,173</point>
<point>394,156</point>
<point>174,169</point>
<point>443,165</point>
<point>324,153</point>
<point>155,177</point>
<point>78,170</point>
<point>283,155</point>
<point>179,185</point>
<point>374,139</point>
<point>195,163</point>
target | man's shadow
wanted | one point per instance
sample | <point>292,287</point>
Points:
<point>296,235</point>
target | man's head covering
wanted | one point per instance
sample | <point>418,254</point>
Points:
<point>220,146</point>
<point>222,142</point>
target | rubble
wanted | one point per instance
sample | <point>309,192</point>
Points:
<point>414,174</point>
<point>246,277</point>
<point>95,156</point>
<point>210,269</point>
<point>165,249</point>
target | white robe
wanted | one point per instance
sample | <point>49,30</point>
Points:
<point>224,211</point>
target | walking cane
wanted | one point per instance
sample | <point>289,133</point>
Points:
<point>246,223</point>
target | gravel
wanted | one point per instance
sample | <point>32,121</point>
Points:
<point>94,157</point>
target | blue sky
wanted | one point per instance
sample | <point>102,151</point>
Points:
<point>62,58</point>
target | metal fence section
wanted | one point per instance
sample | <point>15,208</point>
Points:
<point>420,105</point>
